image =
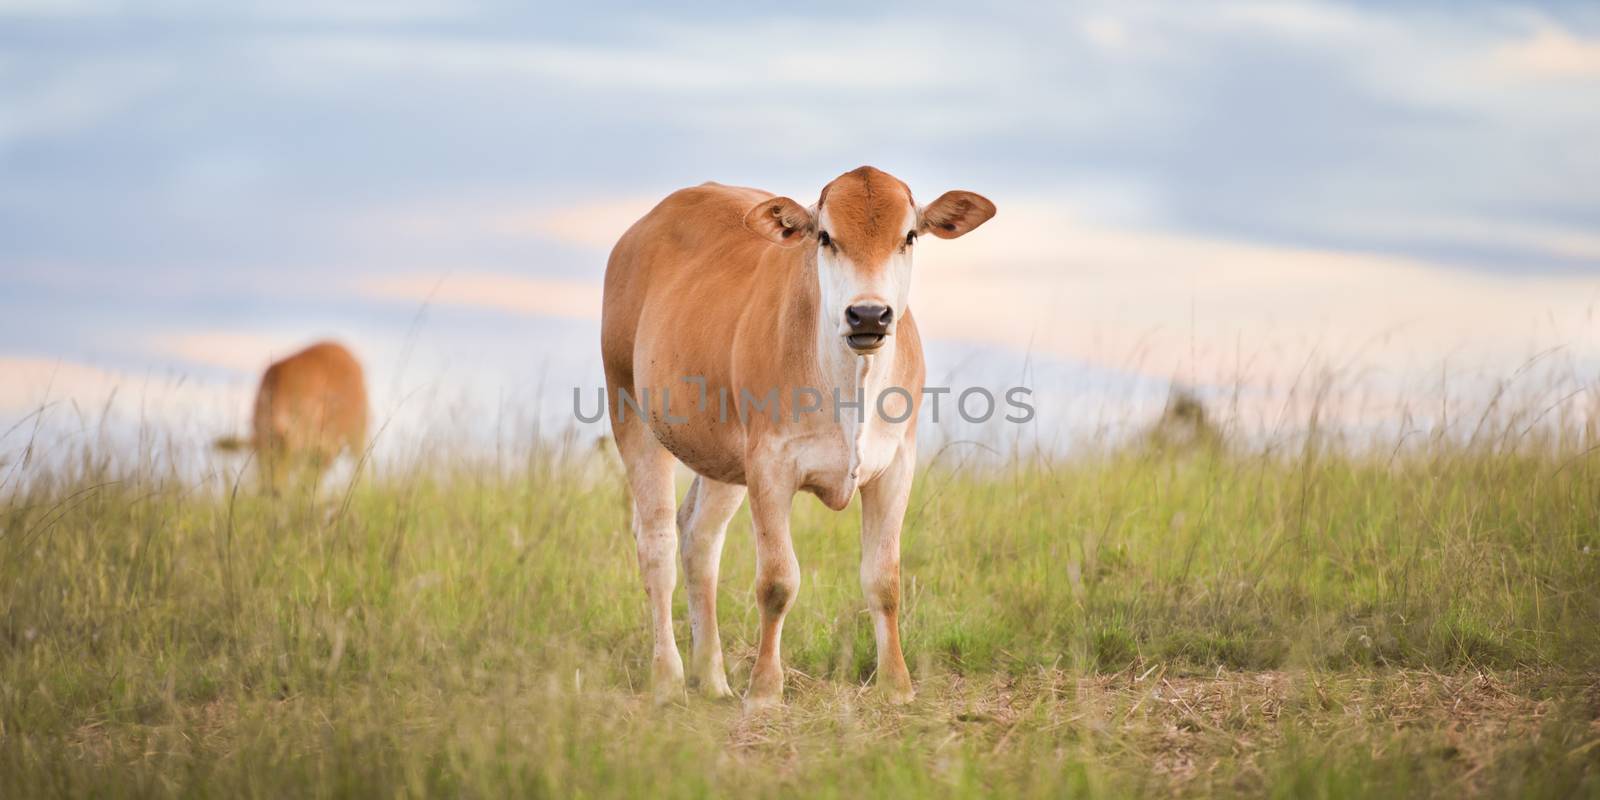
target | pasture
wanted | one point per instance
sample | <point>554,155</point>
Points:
<point>1421,619</point>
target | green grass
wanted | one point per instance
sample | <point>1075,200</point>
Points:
<point>1302,625</point>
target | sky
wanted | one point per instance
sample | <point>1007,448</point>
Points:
<point>1227,196</point>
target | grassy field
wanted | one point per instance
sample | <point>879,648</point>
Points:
<point>1419,622</point>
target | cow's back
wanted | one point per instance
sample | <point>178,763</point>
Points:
<point>694,242</point>
<point>681,287</point>
<point>313,401</point>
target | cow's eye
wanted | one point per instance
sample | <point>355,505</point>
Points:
<point>824,240</point>
<point>911,238</point>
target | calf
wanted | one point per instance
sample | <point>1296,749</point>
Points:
<point>738,334</point>
<point>311,407</point>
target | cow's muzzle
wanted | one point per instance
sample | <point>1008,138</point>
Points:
<point>869,327</point>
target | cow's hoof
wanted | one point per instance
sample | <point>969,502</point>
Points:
<point>709,677</point>
<point>667,693</point>
<point>716,688</point>
<point>666,679</point>
<point>757,703</point>
<point>899,695</point>
<point>766,689</point>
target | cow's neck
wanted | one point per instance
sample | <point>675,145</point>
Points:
<point>834,366</point>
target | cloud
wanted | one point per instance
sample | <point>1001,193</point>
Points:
<point>76,97</point>
<point>799,85</point>
<point>1499,235</point>
<point>234,350</point>
<point>26,384</point>
<point>1305,21</point>
<point>1242,118</point>
<point>765,56</point>
<point>53,8</point>
<point>570,299</point>
<point>1165,303</point>
<point>72,395</point>
<point>298,10</point>
<point>1172,304</point>
<point>590,225</point>
<point>1552,52</point>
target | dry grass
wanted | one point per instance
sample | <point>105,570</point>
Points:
<point>1309,623</point>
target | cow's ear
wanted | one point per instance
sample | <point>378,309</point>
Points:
<point>781,221</point>
<point>956,213</point>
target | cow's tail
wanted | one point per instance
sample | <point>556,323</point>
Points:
<point>233,444</point>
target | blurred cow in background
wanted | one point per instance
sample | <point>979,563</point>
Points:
<point>1185,426</point>
<point>311,408</point>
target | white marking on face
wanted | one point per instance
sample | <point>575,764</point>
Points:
<point>843,283</point>
<point>871,443</point>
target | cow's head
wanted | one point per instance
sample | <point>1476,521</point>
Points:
<point>864,230</point>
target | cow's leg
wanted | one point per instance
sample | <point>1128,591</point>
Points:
<point>777,580</point>
<point>311,467</point>
<point>702,526</point>
<point>649,467</point>
<point>272,465</point>
<point>883,511</point>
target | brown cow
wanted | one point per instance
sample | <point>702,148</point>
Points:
<point>311,407</point>
<point>721,298</point>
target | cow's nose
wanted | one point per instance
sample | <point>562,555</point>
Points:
<point>871,319</point>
